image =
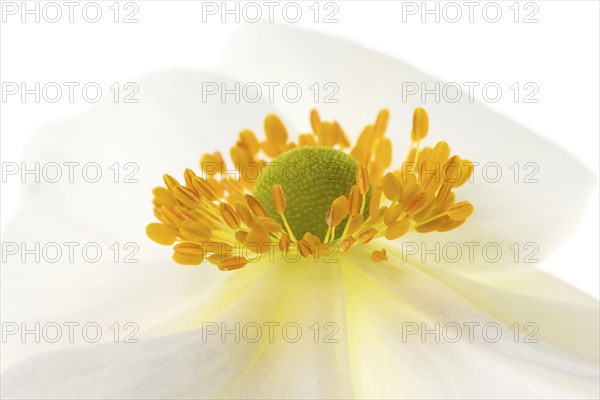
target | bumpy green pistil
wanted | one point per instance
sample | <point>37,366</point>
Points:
<point>311,178</point>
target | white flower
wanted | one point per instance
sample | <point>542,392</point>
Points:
<point>369,309</point>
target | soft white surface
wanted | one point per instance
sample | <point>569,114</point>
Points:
<point>162,134</point>
<point>370,359</point>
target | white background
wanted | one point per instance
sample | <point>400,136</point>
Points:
<point>560,53</point>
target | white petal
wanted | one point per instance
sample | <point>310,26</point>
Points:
<point>186,366</point>
<point>373,356</point>
<point>167,131</point>
<point>505,211</point>
<point>386,299</point>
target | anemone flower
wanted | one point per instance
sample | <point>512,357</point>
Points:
<point>321,296</point>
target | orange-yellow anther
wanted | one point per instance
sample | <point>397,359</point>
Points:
<point>304,248</point>
<point>397,229</point>
<point>278,199</point>
<point>391,186</point>
<point>392,214</point>
<point>279,205</point>
<point>354,224</point>
<point>383,153</point>
<point>313,241</point>
<point>315,120</point>
<point>229,216</point>
<point>187,196</point>
<point>228,262</point>
<point>409,192</point>
<point>362,150</point>
<point>170,182</point>
<point>375,200</point>
<point>432,225</point>
<point>306,139</point>
<point>255,206</point>
<point>241,236</point>
<point>171,214</point>
<point>367,236</point>
<point>418,204</point>
<point>163,197</point>
<point>347,243</point>
<point>258,241</point>
<point>188,175</point>
<point>467,169</point>
<point>244,213</point>
<point>362,179</point>
<point>267,224</point>
<point>211,164</point>
<point>381,122</point>
<point>420,124</point>
<point>326,134</point>
<point>161,233</point>
<point>203,188</point>
<point>241,157</point>
<point>188,254</point>
<point>284,242</point>
<point>337,211</point>
<point>194,231</point>
<point>449,225</point>
<point>275,131</point>
<point>249,141</point>
<point>217,187</point>
<point>379,255</point>
<point>460,211</point>
<point>189,249</point>
<point>354,199</point>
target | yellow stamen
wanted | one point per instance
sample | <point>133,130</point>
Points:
<point>381,123</point>
<point>397,229</point>
<point>284,242</point>
<point>375,201</point>
<point>249,142</point>
<point>255,206</point>
<point>315,120</point>
<point>336,213</point>
<point>304,248</point>
<point>188,254</point>
<point>229,216</point>
<point>347,243</point>
<point>362,181</point>
<point>420,124</point>
<point>460,211</point>
<point>163,197</point>
<point>203,188</point>
<point>279,204</point>
<point>195,231</point>
<point>379,255</point>
<point>209,216</point>
<point>275,131</point>
<point>326,134</point>
<point>391,186</point>
<point>187,196</point>
<point>368,235</point>
<point>244,213</point>
<point>161,233</point>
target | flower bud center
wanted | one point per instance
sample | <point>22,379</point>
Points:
<point>311,178</point>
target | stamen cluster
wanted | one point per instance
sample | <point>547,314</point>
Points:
<point>216,218</point>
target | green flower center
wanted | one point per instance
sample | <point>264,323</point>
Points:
<point>311,178</point>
